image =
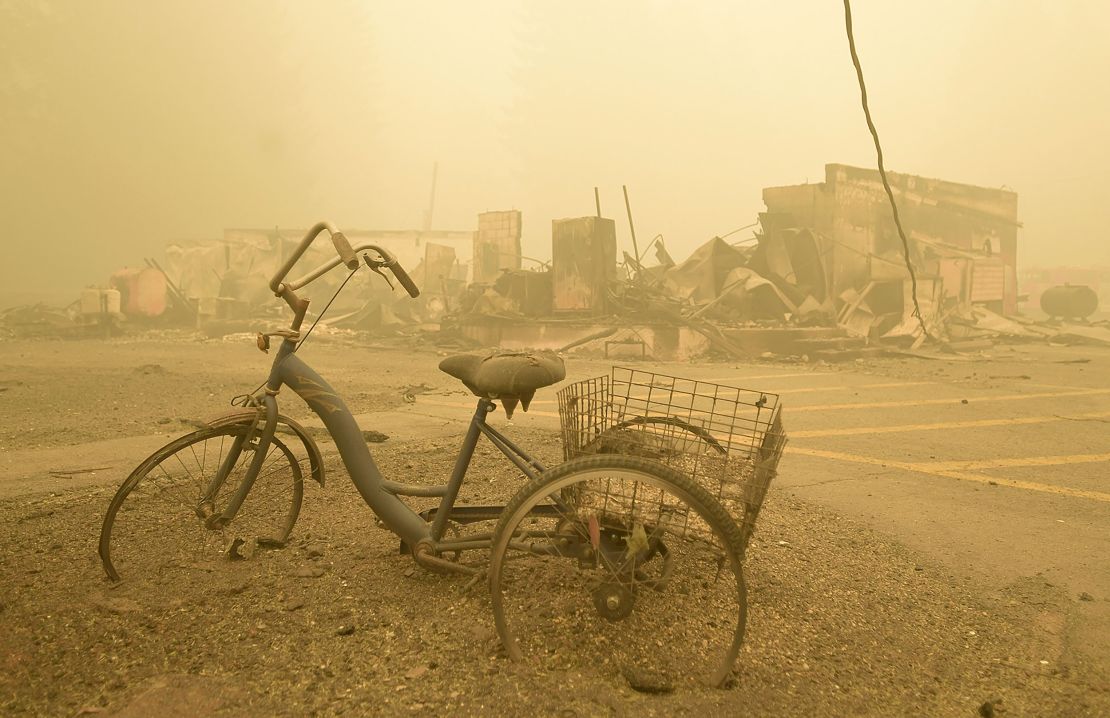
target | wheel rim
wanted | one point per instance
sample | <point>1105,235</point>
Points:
<point>676,618</point>
<point>156,524</point>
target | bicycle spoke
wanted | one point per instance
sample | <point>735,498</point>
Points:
<point>157,522</point>
<point>178,457</point>
<point>625,588</point>
<point>173,488</point>
<point>193,451</point>
<point>204,459</point>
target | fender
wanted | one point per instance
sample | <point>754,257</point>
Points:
<point>315,458</point>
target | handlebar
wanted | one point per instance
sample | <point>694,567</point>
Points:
<point>343,249</point>
<point>347,255</point>
<point>404,278</point>
<point>305,243</point>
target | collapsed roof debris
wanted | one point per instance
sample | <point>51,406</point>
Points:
<point>826,265</point>
<point>821,277</point>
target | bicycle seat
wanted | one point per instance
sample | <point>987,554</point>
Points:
<point>509,377</point>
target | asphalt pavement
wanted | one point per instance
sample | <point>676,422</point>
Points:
<point>995,466</point>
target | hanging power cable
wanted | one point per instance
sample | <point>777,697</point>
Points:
<point>882,169</point>
<point>245,399</point>
<point>327,306</point>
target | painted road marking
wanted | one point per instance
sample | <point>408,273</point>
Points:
<point>767,376</point>
<point>425,399</point>
<point>803,390</point>
<point>856,405</point>
<point>1072,387</point>
<point>900,428</point>
<point>927,468</point>
<point>950,470</point>
<point>1000,463</point>
<point>846,387</point>
<point>935,402</point>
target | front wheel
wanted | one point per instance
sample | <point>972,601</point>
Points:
<point>160,522</point>
<point>625,565</point>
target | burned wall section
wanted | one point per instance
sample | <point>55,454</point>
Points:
<point>584,262</point>
<point>496,245</point>
<point>963,243</point>
<point>228,279</point>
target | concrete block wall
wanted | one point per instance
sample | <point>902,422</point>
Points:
<point>851,209</point>
<point>496,244</point>
<point>583,262</point>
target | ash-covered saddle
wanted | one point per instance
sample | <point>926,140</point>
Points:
<point>511,378</point>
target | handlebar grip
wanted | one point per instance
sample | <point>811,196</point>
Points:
<point>343,248</point>
<point>404,278</point>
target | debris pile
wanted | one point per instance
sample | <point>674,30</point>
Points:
<point>822,277</point>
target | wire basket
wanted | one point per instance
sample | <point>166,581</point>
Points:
<point>728,440</point>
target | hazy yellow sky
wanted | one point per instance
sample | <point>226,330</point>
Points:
<point>127,124</point>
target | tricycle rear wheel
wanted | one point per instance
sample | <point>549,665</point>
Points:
<point>625,564</point>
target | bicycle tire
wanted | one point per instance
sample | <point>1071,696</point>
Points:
<point>156,521</point>
<point>621,620</point>
<point>654,437</point>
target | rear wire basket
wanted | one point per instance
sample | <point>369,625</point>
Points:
<point>728,440</point>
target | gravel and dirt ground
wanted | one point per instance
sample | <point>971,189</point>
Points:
<point>848,614</point>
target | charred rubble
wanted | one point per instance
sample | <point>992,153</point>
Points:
<point>822,276</point>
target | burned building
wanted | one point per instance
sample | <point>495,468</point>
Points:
<point>496,244</point>
<point>584,262</point>
<point>837,241</point>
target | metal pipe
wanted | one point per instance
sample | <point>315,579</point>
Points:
<point>395,487</point>
<point>520,462</point>
<point>431,199</point>
<point>431,561</point>
<point>337,418</point>
<point>331,264</point>
<point>466,453</point>
<point>261,450</point>
<point>465,545</point>
<point>492,433</point>
<point>306,241</point>
<point>631,227</point>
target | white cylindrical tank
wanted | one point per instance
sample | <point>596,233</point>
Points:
<point>111,301</point>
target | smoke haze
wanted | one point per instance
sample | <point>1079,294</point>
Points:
<point>128,124</point>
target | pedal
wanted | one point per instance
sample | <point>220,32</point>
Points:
<point>240,549</point>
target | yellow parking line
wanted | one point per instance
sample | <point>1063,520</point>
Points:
<point>1000,463</point>
<point>950,474</point>
<point>901,428</point>
<point>843,387</point>
<point>1071,387</point>
<point>846,387</point>
<point>870,405</point>
<point>933,402</point>
<point>425,399</point>
<point>767,376</point>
